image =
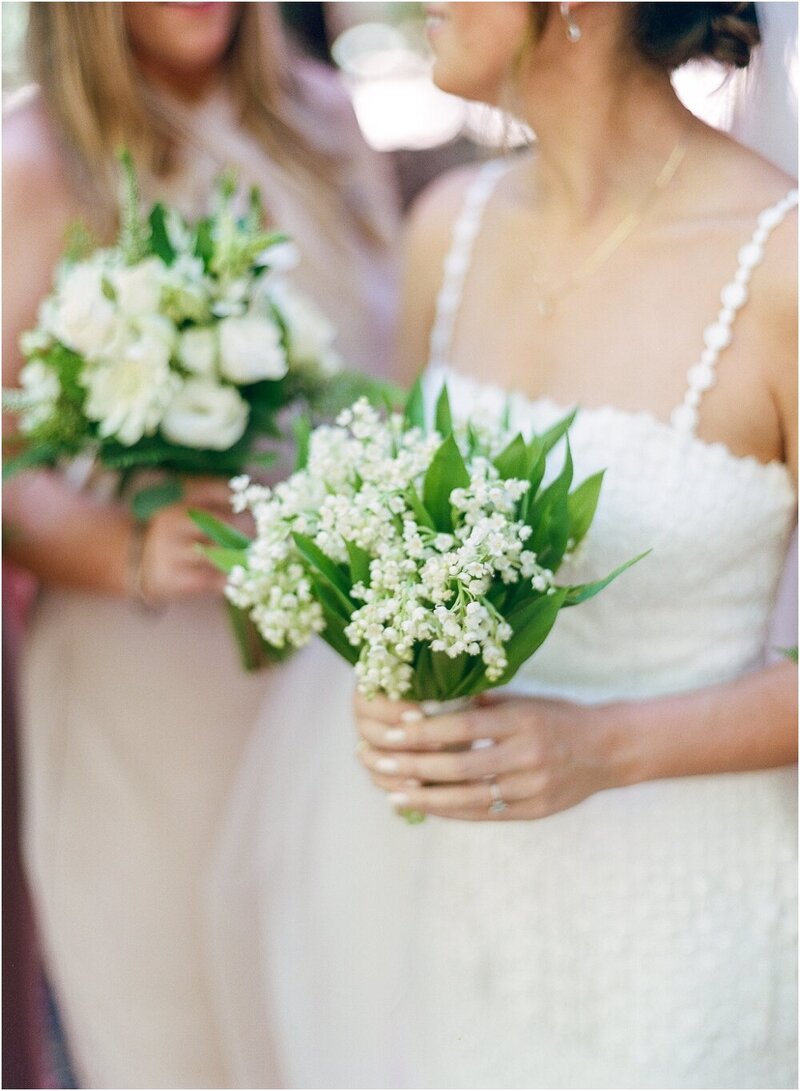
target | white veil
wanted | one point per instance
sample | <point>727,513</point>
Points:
<point>765,118</point>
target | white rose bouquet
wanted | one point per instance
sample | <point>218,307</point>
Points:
<point>426,558</point>
<point>175,349</point>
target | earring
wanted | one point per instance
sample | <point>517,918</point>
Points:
<point>572,29</point>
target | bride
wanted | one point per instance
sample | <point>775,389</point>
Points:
<point>605,897</point>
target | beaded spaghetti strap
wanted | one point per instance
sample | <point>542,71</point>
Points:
<point>703,375</point>
<point>456,263</point>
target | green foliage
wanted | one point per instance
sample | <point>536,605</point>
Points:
<point>133,234</point>
<point>222,533</point>
<point>146,502</point>
<point>446,472</point>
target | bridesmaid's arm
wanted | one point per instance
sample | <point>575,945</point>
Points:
<point>64,537</point>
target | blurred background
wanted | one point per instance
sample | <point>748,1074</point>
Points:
<point>382,56</point>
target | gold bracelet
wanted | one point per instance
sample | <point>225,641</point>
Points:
<point>135,585</point>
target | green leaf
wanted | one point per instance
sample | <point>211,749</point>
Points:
<point>224,559</point>
<point>535,463</point>
<point>444,418</point>
<point>254,651</point>
<point>549,518</point>
<point>447,674</point>
<point>423,687</point>
<point>513,460</point>
<point>43,454</point>
<point>146,502</point>
<point>789,653</point>
<point>582,504</point>
<point>301,429</point>
<point>204,242</point>
<point>582,592</point>
<point>445,473</point>
<point>334,575</point>
<point>531,625</point>
<point>551,437</point>
<point>359,563</point>
<point>421,513</point>
<point>132,234</point>
<point>414,415</point>
<point>159,237</point>
<point>221,533</point>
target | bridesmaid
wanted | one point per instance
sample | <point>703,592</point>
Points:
<point>134,717</point>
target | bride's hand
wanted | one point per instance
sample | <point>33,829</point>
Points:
<point>537,757</point>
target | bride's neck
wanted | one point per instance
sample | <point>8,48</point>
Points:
<point>603,132</point>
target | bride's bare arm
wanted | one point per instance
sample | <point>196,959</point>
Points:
<point>550,755</point>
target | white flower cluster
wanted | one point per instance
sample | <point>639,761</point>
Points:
<point>167,347</point>
<point>424,587</point>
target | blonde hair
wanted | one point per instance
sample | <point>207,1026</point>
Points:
<point>80,55</point>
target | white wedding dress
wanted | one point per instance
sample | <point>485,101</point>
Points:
<point>645,938</point>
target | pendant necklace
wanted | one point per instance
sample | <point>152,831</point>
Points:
<point>549,297</point>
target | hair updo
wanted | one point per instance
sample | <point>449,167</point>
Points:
<point>669,35</point>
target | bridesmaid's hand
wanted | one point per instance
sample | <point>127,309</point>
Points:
<point>171,565</point>
<point>533,757</point>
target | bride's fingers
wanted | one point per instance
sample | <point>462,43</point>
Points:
<point>436,732</point>
<point>474,801</point>
<point>449,766</point>
<point>384,711</point>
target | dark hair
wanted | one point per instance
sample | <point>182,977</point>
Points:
<point>669,35</point>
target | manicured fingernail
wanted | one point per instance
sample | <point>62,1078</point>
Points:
<point>412,716</point>
<point>398,799</point>
<point>482,744</point>
<point>431,708</point>
<point>387,765</point>
<point>395,734</point>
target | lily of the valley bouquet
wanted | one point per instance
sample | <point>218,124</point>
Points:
<point>425,557</point>
<point>174,349</point>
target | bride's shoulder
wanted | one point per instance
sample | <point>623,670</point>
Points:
<point>434,212</point>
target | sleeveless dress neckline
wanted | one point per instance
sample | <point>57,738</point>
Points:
<point>716,449</point>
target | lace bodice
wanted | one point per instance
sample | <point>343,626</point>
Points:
<point>696,609</point>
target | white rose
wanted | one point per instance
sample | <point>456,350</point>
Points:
<point>129,393</point>
<point>138,287</point>
<point>197,349</point>
<point>250,349</point>
<point>159,328</point>
<point>205,414</point>
<point>81,316</point>
<point>40,390</point>
<point>311,333</point>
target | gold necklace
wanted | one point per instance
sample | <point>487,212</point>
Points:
<point>548,297</point>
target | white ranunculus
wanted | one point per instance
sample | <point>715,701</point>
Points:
<point>205,414</point>
<point>129,393</point>
<point>82,317</point>
<point>311,333</point>
<point>197,349</point>
<point>250,349</point>
<point>138,287</point>
<point>40,390</point>
<point>280,258</point>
